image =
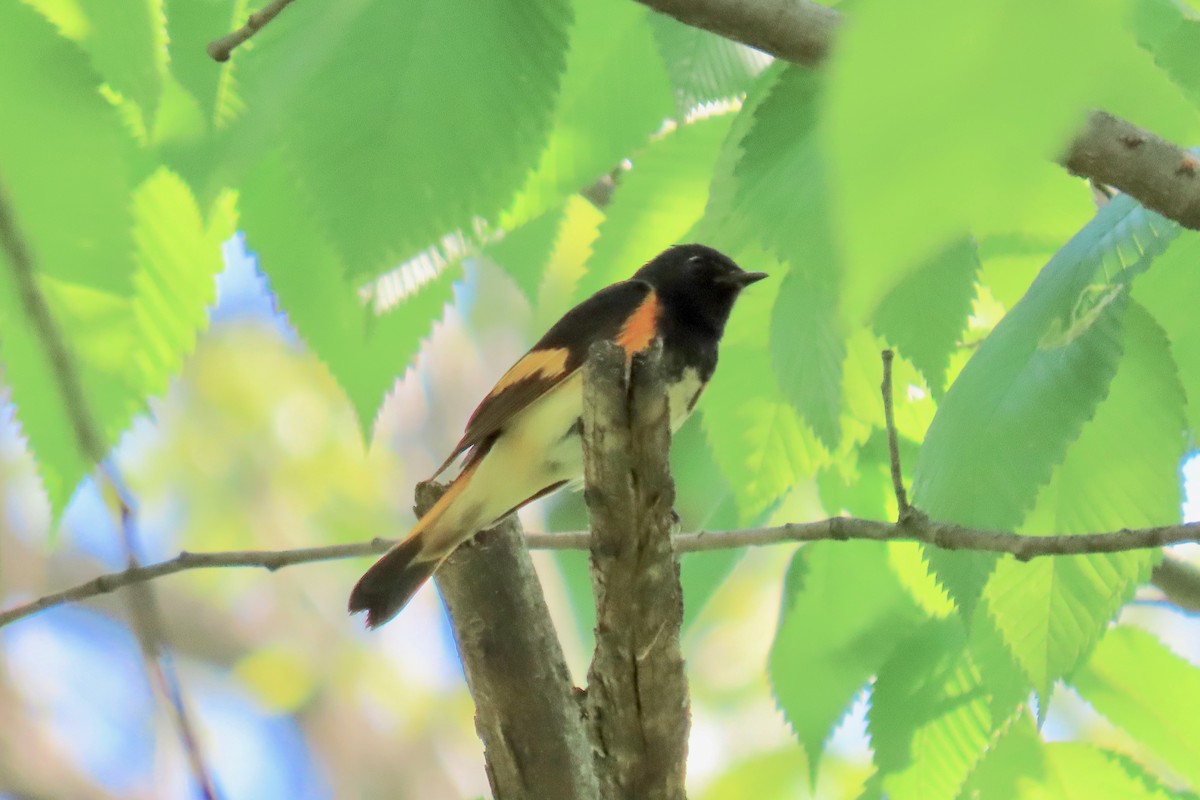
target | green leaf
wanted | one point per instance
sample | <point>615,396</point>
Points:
<point>128,45</point>
<point>64,178</point>
<point>178,258</point>
<point>704,501</point>
<point>413,119</point>
<point>1022,399</point>
<point>929,718</point>
<point>615,94</point>
<point>782,190</point>
<point>949,114</point>
<point>191,25</point>
<point>703,66</point>
<point>1012,760</point>
<point>925,316</point>
<point>524,252</point>
<point>65,173</point>
<point>1121,472</point>
<point>807,350</point>
<point>1148,691</point>
<point>843,614</point>
<point>758,440</point>
<point>1166,291</point>
<point>1171,34</point>
<point>364,352</point>
<point>1075,771</point>
<point>657,202</point>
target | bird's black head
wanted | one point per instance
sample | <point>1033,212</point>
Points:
<point>698,283</point>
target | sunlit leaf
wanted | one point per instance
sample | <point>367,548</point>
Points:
<point>1154,695</point>
<point>782,191</point>
<point>757,438</point>
<point>949,113</point>
<point>64,180</point>
<point>925,316</point>
<point>364,351</point>
<point>929,719</point>
<point>703,66</point>
<point>843,613</point>
<point>1121,472</point>
<point>407,121</point>
<point>178,257</point>
<point>1010,416</point>
<point>657,202</point>
<point>128,42</point>
<point>615,93</point>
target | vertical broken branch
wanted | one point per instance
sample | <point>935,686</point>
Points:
<point>637,696</point>
<point>526,714</point>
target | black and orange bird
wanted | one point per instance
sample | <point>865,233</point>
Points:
<point>523,441</point>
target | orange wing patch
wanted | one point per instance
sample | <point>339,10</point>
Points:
<point>536,364</point>
<point>642,326</point>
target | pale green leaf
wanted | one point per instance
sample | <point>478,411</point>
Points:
<point>657,202</point>
<point>363,351</point>
<point>64,166</point>
<point>782,192</point>
<point>703,66</point>
<point>925,316</point>
<point>843,613</point>
<point>1167,291</point>
<point>127,42</point>
<point>1121,472</point>
<point>1013,760</point>
<point>64,177</point>
<point>1171,34</point>
<point>757,439</point>
<point>191,25</point>
<point>1151,693</point>
<point>615,94</point>
<point>1020,401</point>
<point>177,257</point>
<point>408,121</point>
<point>1076,771</point>
<point>524,253</point>
<point>929,719</point>
<point>947,114</point>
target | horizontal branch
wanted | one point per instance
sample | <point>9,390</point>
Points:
<point>915,529</point>
<point>1160,175</point>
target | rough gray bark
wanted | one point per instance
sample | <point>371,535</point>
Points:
<point>535,742</point>
<point>1160,175</point>
<point>637,696</point>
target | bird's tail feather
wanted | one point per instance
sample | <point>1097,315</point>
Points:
<point>390,583</point>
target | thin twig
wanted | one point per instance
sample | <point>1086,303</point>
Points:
<point>146,615</point>
<point>220,49</point>
<point>949,537</point>
<point>889,419</point>
<point>90,443</point>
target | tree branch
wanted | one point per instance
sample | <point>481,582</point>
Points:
<point>526,714</point>
<point>220,49</point>
<point>637,695</point>
<point>889,420</point>
<point>950,537</point>
<point>1160,175</point>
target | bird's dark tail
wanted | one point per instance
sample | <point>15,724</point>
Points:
<point>390,583</point>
